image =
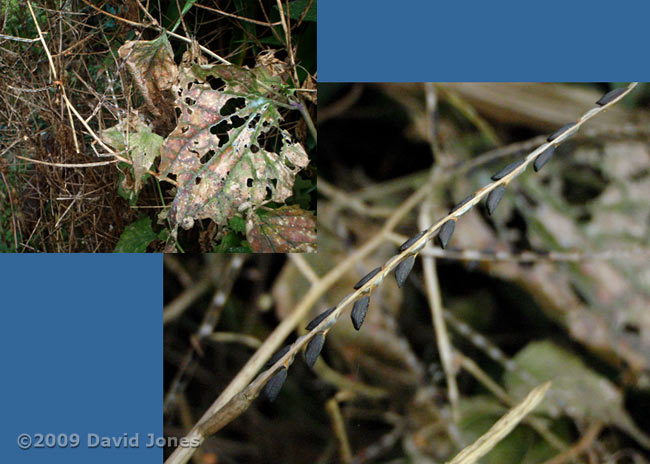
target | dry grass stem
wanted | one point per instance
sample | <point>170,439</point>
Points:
<point>501,428</point>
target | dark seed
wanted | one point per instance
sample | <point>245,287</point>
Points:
<point>507,170</point>
<point>611,95</point>
<point>543,158</point>
<point>318,319</point>
<point>560,131</point>
<point>274,385</point>
<point>277,355</point>
<point>462,203</point>
<point>445,232</point>
<point>494,198</point>
<point>359,311</point>
<point>403,269</point>
<point>366,278</point>
<point>411,241</point>
<point>314,348</point>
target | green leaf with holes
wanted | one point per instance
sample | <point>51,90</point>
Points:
<point>136,237</point>
<point>228,152</point>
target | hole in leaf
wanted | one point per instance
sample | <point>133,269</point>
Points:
<point>269,193</point>
<point>274,182</point>
<point>207,157</point>
<point>189,101</point>
<point>178,112</point>
<point>272,140</point>
<point>255,148</point>
<point>236,121</point>
<point>221,131</point>
<point>289,164</point>
<point>197,180</point>
<point>232,106</point>
<point>184,129</point>
<point>631,328</point>
<point>215,82</point>
<point>254,122</point>
<point>249,182</point>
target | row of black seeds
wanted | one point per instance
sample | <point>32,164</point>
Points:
<point>360,308</point>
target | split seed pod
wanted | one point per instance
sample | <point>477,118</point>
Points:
<point>611,95</point>
<point>403,269</point>
<point>318,319</point>
<point>445,232</point>
<point>359,311</point>
<point>314,348</point>
<point>494,198</point>
<point>560,131</point>
<point>366,278</point>
<point>507,170</point>
<point>274,385</point>
<point>411,241</point>
<point>543,158</point>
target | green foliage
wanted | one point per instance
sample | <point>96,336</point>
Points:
<point>234,240</point>
<point>136,237</point>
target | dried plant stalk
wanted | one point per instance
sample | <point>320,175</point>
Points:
<point>501,428</point>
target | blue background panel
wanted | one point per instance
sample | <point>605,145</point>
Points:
<point>470,41</point>
<point>81,347</point>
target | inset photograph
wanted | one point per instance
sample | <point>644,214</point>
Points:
<point>480,291</point>
<point>158,127</point>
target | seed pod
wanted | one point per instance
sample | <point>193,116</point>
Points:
<point>277,355</point>
<point>507,170</point>
<point>359,311</point>
<point>366,278</point>
<point>403,269</point>
<point>543,158</point>
<point>411,241</point>
<point>462,203</point>
<point>560,131</point>
<point>494,198</point>
<point>318,319</point>
<point>274,385</point>
<point>314,348</point>
<point>611,95</point>
<point>445,232</point>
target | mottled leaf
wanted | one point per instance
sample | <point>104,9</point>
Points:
<point>141,145</point>
<point>151,64</point>
<point>222,152</point>
<point>288,229</point>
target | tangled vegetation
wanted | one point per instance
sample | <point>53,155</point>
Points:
<point>158,126</point>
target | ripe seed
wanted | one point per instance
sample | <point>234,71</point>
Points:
<point>314,348</point>
<point>560,131</point>
<point>318,319</point>
<point>403,269</point>
<point>507,170</point>
<point>494,198</point>
<point>359,311</point>
<point>611,95</point>
<point>277,355</point>
<point>411,241</point>
<point>462,203</point>
<point>366,278</point>
<point>274,385</point>
<point>445,232</point>
<point>543,158</point>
